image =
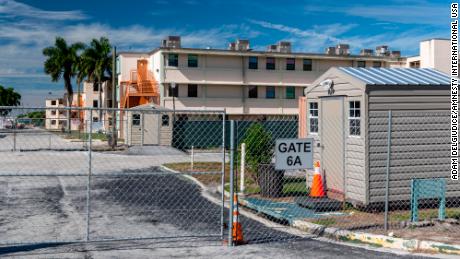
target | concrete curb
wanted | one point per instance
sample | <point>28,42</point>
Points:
<point>410,245</point>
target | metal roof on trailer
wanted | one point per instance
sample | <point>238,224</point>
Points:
<point>398,76</point>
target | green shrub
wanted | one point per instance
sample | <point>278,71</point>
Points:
<point>258,146</point>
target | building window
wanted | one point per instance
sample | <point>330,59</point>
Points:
<point>53,112</point>
<point>110,121</point>
<point>192,91</point>
<point>377,64</point>
<point>109,104</point>
<point>313,119</point>
<point>290,64</point>
<point>270,92</point>
<point>252,91</point>
<point>53,103</point>
<point>165,120</point>
<point>355,118</point>
<point>53,122</point>
<point>361,63</point>
<point>173,92</point>
<point>307,65</point>
<point>192,60</point>
<point>414,64</point>
<point>95,87</point>
<point>61,101</point>
<point>173,60</point>
<point>95,104</point>
<point>95,119</point>
<point>290,92</point>
<point>136,121</point>
<point>270,63</point>
<point>253,61</point>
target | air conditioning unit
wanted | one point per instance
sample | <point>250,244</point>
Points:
<point>242,45</point>
<point>330,50</point>
<point>272,48</point>
<point>232,46</point>
<point>366,52</point>
<point>284,47</point>
<point>382,50</point>
<point>171,42</point>
<point>395,54</point>
<point>342,49</point>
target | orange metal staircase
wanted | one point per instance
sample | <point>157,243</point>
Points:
<point>141,88</point>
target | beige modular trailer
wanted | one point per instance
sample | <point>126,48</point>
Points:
<point>147,125</point>
<point>346,112</point>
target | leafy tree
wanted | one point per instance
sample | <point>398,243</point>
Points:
<point>61,63</point>
<point>259,146</point>
<point>97,63</point>
<point>8,97</point>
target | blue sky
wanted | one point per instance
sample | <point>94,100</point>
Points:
<point>26,27</point>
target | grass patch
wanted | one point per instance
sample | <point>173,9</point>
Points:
<point>424,214</point>
<point>324,222</point>
<point>84,136</point>
<point>213,168</point>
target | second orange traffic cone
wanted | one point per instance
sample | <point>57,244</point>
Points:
<point>317,187</point>
<point>237,232</point>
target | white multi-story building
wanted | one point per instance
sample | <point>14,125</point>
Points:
<point>244,82</point>
<point>434,53</point>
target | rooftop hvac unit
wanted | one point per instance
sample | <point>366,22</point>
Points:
<point>232,46</point>
<point>395,54</point>
<point>171,42</point>
<point>272,48</point>
<point>366,52</point>
<point>330,50</point>
<point>284,47</point>
<point>342,49</point>
<point>242,45</point>
<point>382,50</point>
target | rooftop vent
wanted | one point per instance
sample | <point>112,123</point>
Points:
<point>382,50</point>
<point>395,54</point>
<point>272,48</point>
<point>171,42</point>
<point>366,52</point>
<point>330,50</point>
<point>232,46</point>
<point>342,49</point>
<point>242,45</point>
<point>284,47</point>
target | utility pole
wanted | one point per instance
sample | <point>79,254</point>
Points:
<point>114,97</point>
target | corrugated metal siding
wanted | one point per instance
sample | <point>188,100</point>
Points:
<point>420,145</point>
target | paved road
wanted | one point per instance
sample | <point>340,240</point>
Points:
<point>140,203</point>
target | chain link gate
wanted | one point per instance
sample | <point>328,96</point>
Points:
<point>58,186</point>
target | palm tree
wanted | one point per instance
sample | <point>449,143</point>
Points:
<point>60,63</point>
<point>81,71</point>
<point>98,62</point>
<point>8,97</point>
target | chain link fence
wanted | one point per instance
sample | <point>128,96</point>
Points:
<point>195,174</point>
<point>94,184</point>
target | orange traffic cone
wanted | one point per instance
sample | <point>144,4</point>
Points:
<point>237,232</point>
<point>317,188</point>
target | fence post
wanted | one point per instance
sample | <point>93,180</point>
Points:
<point>387,180</point>
<point>230,213</point>
<point>88,184</point>
<point>14,134</point>
<point>192,157</point>
<point>49,141</point>
<point>222,179</point>
<point>142,128</point>
<point>242,166</point>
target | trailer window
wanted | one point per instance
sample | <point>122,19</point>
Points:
<point>165,120</point>
<point>313,113</point>
<point>355,118</point>
<point>136,120</point>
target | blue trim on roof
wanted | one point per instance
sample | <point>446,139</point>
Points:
<point>398,76</point>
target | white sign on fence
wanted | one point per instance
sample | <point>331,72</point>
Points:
<point>294,154</point>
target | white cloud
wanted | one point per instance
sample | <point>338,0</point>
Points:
<point>405,12</point>
<point>9,8</point>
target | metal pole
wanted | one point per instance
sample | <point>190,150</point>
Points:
<point>388,170</point>
<point>242,166</point>
<point>88,185</point>
<point>114,97</point>
<point>191,159</point>
<point>142,129</point>
<point>222,179</point>
<point>230,213</point>
<point>49,141</point>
